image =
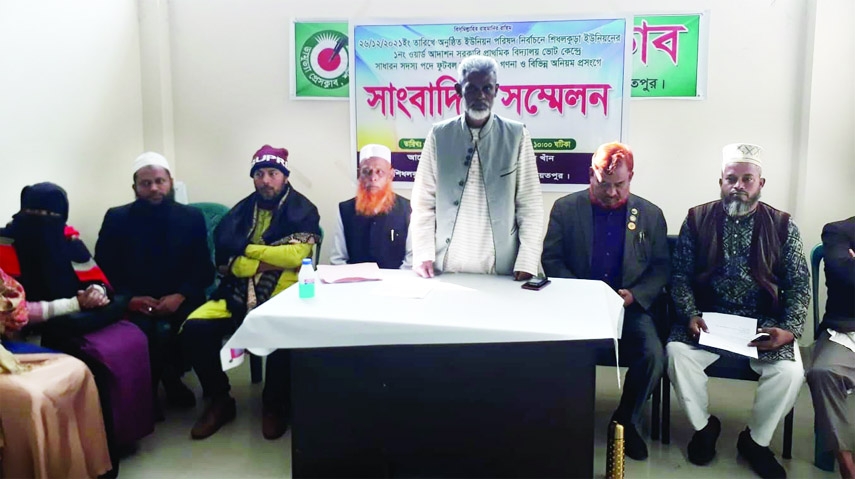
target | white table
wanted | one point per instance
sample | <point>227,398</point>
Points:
<point>461,308</point>
<point>478,378</point>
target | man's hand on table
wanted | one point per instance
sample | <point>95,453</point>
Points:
<point>425,269</point>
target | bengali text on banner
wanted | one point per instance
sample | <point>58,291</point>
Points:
<point>566,80</point>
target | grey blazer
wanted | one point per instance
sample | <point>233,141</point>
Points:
<point>646,261</point>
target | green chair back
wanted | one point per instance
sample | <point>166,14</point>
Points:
<point>213,213</point>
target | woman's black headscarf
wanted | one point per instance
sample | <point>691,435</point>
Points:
<point>44,252</point>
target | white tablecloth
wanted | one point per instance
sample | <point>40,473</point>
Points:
<point>459,309</point>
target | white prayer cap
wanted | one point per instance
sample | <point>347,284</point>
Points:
<point>150,158</point>
<point>375,151</point>
<point>741,153</point>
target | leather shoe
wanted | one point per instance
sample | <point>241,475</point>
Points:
<point>274,422</point>
<point>761,459</point>
<point>701,448</point>
<point>220,411</point>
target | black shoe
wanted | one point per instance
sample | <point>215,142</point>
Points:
<point>761,459</point>
<point>633,445</point>
<point>274,422</point>
<point>701,448</point>
<point>178,395</point>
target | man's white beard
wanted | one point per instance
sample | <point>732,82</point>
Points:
<point>476,115</point>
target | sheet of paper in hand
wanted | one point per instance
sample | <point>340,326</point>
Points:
<point>730,333</point>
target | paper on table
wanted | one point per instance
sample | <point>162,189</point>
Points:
<point>349,273</point>
<point>730,333</point>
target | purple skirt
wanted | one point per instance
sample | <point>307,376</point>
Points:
<point>122,349</point>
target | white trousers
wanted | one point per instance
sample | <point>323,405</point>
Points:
<point>777,389</point>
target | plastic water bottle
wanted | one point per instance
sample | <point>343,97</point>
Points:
<point>306,279</point>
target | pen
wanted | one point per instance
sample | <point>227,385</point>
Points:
<point>392,235</point>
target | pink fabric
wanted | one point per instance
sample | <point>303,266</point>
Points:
<point>52,421</point>
<point>13,305</point>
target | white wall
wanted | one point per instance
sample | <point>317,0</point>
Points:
<point>828,193</point>
<point>70,107</point>
<point>231,84</point>
<point>826,190</point>
<point>767,84</point>
<point>78,100</point>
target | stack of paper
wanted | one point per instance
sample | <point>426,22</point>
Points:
<point>349,273</point>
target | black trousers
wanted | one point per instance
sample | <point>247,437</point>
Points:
<point>203,340</point>
<point>641,349</point>
<point>164,347</point>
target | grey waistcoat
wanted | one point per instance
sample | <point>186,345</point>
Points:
<point>498,149</point>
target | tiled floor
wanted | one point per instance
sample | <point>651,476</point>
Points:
<point>239,450</point>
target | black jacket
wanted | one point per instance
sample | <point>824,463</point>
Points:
<point>837,239</point>
<point>155,252</point>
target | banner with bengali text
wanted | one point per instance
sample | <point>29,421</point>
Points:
<point>320,60</point>
<point>667,58</point>
<point>567,80</point>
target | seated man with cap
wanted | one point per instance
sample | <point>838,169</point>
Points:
<point>155,252</point>
<point>260,245</point>
<point>372,226</point>
<point>742,257</point>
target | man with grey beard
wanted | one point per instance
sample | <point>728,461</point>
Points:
<point>477,205</point>
<point>742,257</point>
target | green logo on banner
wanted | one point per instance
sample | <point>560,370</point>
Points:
<point>324,59</point>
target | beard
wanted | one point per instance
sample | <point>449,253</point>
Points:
<point>373,203</point>
<point>169,197</point>
<point>474,113</point>
<point>737,205</point>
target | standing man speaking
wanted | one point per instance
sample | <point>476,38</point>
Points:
<point>477,204</point>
